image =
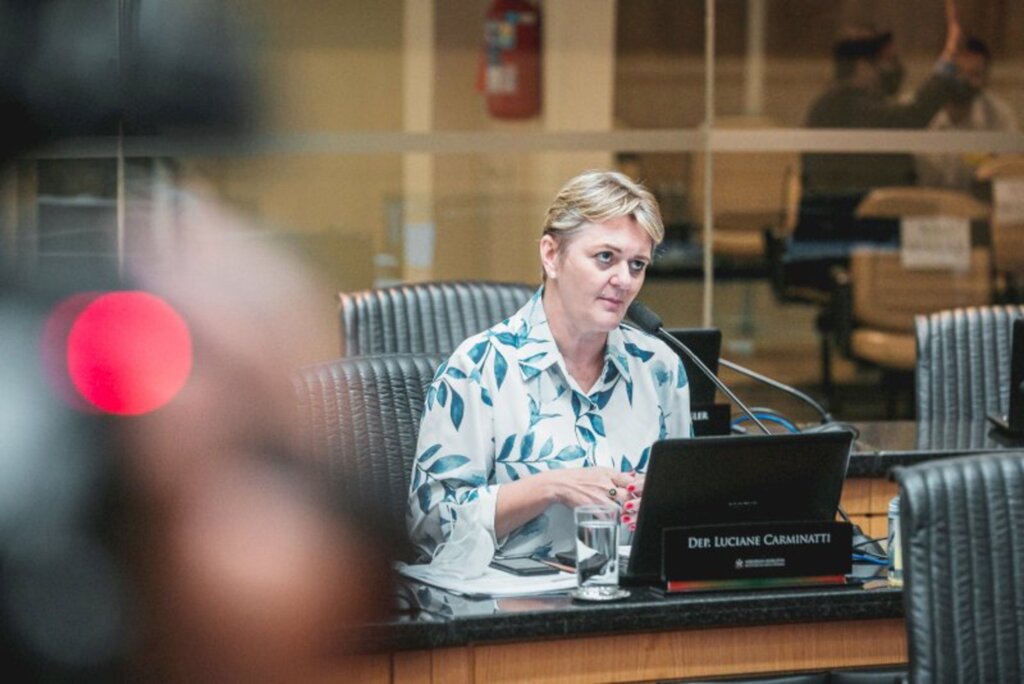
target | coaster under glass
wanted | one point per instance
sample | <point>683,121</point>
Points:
<point>618,594</point>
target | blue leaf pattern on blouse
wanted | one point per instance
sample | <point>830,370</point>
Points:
<point>526,447</point>
<point>458,408</point>
<point>483,426</point>
<point>446,463</point>
<point>660,372</point>
<point>644,457</point>
<point>500,368</point>
<point>571,453</point>
<point>506,448</point>
<point>636,351</point>
<point>478,350</point>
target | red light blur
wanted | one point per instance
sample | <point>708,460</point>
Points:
<point>128,353</point>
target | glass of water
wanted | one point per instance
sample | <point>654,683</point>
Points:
<point>597,544</point>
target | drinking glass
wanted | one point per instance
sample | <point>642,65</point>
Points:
<point>597,544</point>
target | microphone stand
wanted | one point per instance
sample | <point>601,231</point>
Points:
<point>826,417</point>
<point>664,335</point>
<point>659,331</point>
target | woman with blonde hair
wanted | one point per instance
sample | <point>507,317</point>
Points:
<point>557,406</point>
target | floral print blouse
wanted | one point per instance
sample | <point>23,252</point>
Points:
<point>503,407</point>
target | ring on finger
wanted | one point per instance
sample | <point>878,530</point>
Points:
<point>613,493</point>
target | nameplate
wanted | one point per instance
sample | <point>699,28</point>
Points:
<point>757,551</point>
<point>710,419</point>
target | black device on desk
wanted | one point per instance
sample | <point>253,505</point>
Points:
<point>523,566</point>
<point>717,480</point>
<point>708,417</point>
<point>1013,421</point>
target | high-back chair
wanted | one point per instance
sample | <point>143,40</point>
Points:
<point>753,192</point>
<point>963,362</point>
<point>360,419</point>
<point>885,298</point>
<point>878,297</point>
<point>1007,224</point>
<point>428,318</point>
<point>962,529</point>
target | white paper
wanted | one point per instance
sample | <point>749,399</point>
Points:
<point>491,583</point>
<point>1008,195</point>
<point>419,245</point>
<point>935,242</point>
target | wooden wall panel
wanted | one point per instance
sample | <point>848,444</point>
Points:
<point>697,653</point>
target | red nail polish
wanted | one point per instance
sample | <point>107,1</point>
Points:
<point>630,505</point>
<point>626,518</point>
<point>632,528</point>
<point>631,488</point>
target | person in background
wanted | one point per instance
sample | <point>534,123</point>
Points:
<point>974,109</point>
<point>868,75</point>
<point>558,405</point>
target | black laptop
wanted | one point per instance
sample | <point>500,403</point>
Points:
<point>718,480</point>
<point>1013,421</point>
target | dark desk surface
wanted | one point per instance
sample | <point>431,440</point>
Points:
<point>435,618</point>
<point>882,446</point>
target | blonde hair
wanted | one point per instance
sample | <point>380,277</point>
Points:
<point>597,196</point>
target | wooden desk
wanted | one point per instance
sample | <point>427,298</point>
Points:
<point>651,656</point>
<point>866,501</point>
<point>647,637</point>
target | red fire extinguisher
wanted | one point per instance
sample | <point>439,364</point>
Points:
<point>510,73</point>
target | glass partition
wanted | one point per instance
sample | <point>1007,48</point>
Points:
<point>381,154</point>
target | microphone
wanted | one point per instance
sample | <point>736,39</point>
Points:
<point>650,322</point>
<point>826,417</point>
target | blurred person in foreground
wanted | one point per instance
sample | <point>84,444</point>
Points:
<point>558,405</point>
<point>868,77</point>
<point>188,541</point>
<point>974,109</point>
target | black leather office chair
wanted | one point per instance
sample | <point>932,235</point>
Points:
<point>361,420</point>
<point>962,523</point>
<point>424,317</point>
<point>963,362</point>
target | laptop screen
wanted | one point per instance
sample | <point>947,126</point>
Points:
<point>706,343</point>
<point>717,480</point>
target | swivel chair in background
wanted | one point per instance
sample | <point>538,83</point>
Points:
<point>962,527</point>
<point>876,299</point>
<point>1007,224</point>
<point>431,317</point>
<point>963,362</point>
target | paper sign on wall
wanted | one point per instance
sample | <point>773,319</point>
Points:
<point>1008,194</point>
<point>935,242</point>
<point>419,245</point>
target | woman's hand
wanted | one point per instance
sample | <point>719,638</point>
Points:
<point>631,507</point>
<point>523,500</point>
<point>578,486</point>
